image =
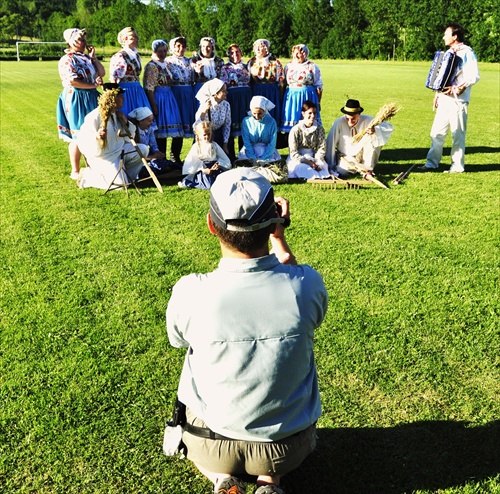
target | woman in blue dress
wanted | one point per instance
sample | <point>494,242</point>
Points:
<point>259,132</point>
<point>80,74</point>
<point>156,81</point>
<point>237,79</point>
<point>125,69</point>
<point>267,76</point>
<point>303,78</point>
<point>182,87</point>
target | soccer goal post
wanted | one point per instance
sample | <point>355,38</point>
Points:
<point>41,49</point>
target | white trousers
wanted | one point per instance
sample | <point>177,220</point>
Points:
<point>451,114</point>
<point>101,173</point>
<point>297,169</point>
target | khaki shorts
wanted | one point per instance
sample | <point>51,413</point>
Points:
<point>251,457</point>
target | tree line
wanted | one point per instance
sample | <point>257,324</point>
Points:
<point>341,29</point>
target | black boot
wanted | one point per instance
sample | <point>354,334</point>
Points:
<point>175,150</point>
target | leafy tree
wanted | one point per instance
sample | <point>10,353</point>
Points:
<point>344,39</point>
<point>484,32</point>
<point>273,22</point>
<point>311,22</point>
<point>56,24</point>
<point>11,25</point>
<point>383,29</point>
<point>237,27</point>
<point>189,23</point>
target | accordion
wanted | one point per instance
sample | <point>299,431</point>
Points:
<point>442,71</point>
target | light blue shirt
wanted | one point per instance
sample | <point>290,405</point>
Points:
<point>249,370</point>
<point>264,131</point>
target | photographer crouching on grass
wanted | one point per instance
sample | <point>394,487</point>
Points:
<point>249,379</point>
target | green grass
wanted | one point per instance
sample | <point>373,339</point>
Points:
<point>408,356</point>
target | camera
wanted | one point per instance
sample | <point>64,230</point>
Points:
<point>172,437</point>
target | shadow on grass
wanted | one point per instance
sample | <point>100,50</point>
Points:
<point>421,455</point>
<point>391,157</point>
<point>421,153</point>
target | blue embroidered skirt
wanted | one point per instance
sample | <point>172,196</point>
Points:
<point>185,102</point>
<point>272,93</point>
<point>133,97</point>
<point>292,106</point>
<point>239,99</point>
<point>72,107</point>
<point>168,120</point>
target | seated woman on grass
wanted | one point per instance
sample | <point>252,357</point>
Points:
<point>259,132</point>
<point>103,140</point>
<point>143,119</point>
<point>307,145</point>
<point>205,161</point>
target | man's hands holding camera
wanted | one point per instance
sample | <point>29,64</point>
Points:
<point>279,245</point>
<point>283,209</point>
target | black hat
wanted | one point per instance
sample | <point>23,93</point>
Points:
<point>352,107</point>
<point>108,86</point>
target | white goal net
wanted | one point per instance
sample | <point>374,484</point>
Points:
<point>32,50</point>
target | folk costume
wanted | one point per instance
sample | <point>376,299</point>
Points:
<point>267,78</point>
<point>364,154</point>
<point>182,87</point>
<point>452,112</point>
<point>157,79</point>
<point>74,103</point>
<point>203,155</point>
<point>307,143</point>
<point>259,143</point>
<point>304,82</point>
<point>104,162</point>
<point>219,113</point>
<point>205,68</point>
<point>239,93</point>
<point>125,69</point>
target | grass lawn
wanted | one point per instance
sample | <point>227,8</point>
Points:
<point>408,356</point>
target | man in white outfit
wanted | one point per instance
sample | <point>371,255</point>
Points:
<point>451,104</point>
<point>346,157</point>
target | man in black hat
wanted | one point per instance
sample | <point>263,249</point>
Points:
<point>249,380</point>
<point>345,156</point>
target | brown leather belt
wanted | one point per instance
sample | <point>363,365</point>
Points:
<point>205,432</point>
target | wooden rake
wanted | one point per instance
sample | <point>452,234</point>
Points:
<point>338,183</point>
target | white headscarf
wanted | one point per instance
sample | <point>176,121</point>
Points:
<point>125,33</point>
<point>71,36</point>
<point>262,41</point>
<point>208,62</point>
<point>140,113</point>
<point>264,61</point>
<point>171,43</point>
<point>212,42</point>
<point>261,102</point>
<point>303,48</point>
<point>209,90</point>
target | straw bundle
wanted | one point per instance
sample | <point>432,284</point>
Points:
<point>107,105</point>
<point>385,113</point>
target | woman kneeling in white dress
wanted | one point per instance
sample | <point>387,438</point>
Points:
<point>307,146</point>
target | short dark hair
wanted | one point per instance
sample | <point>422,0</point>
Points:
<point>246,242</point>
<point>457,30</point>
<point>308,104</point>
<point>182,41</point>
